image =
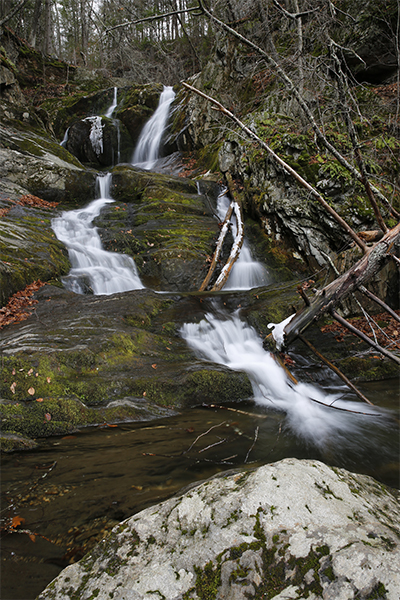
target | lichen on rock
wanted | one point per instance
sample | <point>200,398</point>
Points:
<point>293,529</point>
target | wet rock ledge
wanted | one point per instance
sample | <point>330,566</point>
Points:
<point>290,530</point>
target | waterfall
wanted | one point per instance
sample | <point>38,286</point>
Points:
<point>234,344</point>
<point>148,146</point>
<point>246,273</point>
<point>94,268</point>
<point>113,106</point>
<point>65,139</point>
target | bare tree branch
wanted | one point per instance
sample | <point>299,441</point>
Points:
<point>286,167</point>
<point>293,89</point>
<point>152,18</point>
<point>13,12</point>
<point>296,15</point>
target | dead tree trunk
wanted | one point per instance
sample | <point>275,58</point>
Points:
<point>326,299</point>
<point>235,250</point>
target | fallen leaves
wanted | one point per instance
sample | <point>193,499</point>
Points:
<point>16,309</point>
<point>16,521</point>
<point>31,391</point>
<point>386,324</point>
<point>28,200</point>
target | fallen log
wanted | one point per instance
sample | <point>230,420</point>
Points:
<point>217,252</point>
<point>326,299</point>
<point>235,250</point>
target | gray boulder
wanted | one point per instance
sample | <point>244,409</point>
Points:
<point>289,530</point>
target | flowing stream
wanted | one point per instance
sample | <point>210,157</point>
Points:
<point>148,147</point>
<point>246,273</point>
<point>93,268</point>
<point>73,489</point>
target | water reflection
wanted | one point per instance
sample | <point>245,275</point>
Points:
<point>75,488</point>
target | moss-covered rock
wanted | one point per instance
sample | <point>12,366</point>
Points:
<point>121,359</point>
<point>163,223</point>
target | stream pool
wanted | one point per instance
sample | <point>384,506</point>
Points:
<point>70,492</point>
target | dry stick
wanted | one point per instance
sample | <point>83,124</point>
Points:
<point>235,251</point>
<point>280,362</point>
<point>283,164</point>
<point>236,410</point>
<point>379,301</point>
<point>253,444</point>
<point>335,369</point>
<point>365,338</point>
<point>201,435</point>
<point>292,88</point>
<point>223,232</point>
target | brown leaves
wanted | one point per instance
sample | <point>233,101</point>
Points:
<point>16,521</point>
<point>28,200</point>
<point>16,309</point>
<point>385,322</point>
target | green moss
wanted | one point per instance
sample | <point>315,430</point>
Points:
<point>379,592</point>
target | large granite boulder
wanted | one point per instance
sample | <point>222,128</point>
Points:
<point>289,530</point>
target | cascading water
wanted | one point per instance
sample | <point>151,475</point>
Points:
<point>234,344</point>
<point>93,268</point>
<point>246,273</point>
<point>113,106</point>
<point>148,146</point>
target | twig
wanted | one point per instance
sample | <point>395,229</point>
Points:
<point>212,445</point>
<point>202,434</point>
<point>372,296</point>
<point>253,444</point>
<point>365,338</point>
<point>236,410</point>
<point>335,369</point>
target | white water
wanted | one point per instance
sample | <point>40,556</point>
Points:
<point>113,106</point>
<point>93,267</point>
<point>65,139</point>
<point>234,344</point>
<point>148,147</point>
<point>246,273</point>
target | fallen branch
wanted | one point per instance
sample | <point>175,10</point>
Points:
<point>365,338</point>
<point>372,296</point>
<point>335,369</point>
<point>326,299</point>
<point>217,252</point>
<point>285,166</point>
<point>235,250</point>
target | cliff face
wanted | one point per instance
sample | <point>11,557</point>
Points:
<point>363,37</point>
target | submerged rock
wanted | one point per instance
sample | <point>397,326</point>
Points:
<point>294,529</point>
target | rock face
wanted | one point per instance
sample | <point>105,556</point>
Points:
<point>289,530</point>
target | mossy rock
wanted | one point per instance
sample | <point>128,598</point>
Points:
<point>29,250</point>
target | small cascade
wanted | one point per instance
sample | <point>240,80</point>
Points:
<point>96,134</point>
<point>148,147</point>
<point>93,268</point>
<point>65,139</point>
<point>246,273</point>
<point>113,106</point>
<point>234,344</point>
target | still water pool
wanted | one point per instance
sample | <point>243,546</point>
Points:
<point>72,490</point>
